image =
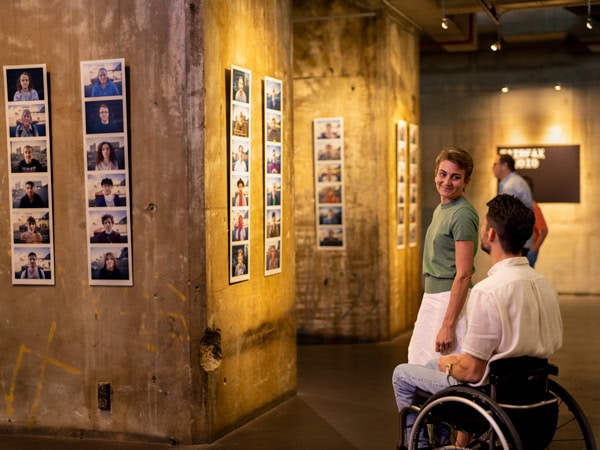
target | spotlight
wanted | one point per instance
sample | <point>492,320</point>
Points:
<point>504,89</point>
<point>588,23</point>
<point>496,46</point>
<point>557,87</point>
<point>445,23</point>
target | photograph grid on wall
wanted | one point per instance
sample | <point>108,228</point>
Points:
<point>273,170</point>
<point>107,183</point>
<point>30,179</point>
<point>401,166</point>
<point>413,151</point>
<point>329,182</point>
<point>239,175</point>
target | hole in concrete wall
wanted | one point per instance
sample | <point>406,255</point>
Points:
<point>210,350</point>
<point>104,396</point>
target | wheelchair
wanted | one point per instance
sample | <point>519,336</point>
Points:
<point>521,409</point>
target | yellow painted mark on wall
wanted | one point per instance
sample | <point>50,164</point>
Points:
<point>177,292</point>
<point>181,318</point>
<point>46,360</point>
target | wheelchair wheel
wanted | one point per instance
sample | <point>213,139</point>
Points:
<point>573,430</point>
<point>463,417</point>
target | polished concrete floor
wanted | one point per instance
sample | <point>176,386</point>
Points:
<point>345,398</point>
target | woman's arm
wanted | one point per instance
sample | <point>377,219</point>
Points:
<point>464,253</point>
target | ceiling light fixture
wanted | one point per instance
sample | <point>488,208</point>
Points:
<point>444,18</point>
<point>588,22</point>
<point>497,46</point>
<point>557,87</point>
<point>504,89</point>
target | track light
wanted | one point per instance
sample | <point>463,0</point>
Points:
<point>588,22</point>
<point>504,89</point>
<point>557,87</point>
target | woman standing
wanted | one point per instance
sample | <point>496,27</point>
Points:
<point>449,249</point>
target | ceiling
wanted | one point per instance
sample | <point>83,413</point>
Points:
<point>524,24</point>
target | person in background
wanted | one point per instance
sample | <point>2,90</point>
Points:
<point>540,228</point>
<point>104,123</point>
<point>108,235</point>
<point>448,253</point>
<point>510,182</point>
<point>108,198</point>
<point>25,91</point>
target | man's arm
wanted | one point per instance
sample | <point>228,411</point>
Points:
<point>463,367</point>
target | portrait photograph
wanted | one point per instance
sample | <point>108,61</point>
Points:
<point>328,128</point>
<point>239,225</point>
<point>28,155</point>
<point>273,123</point>
<point>400,239</point>
<point>328,151</point>
<point>240,189</point>
<point>240,158</point>
<point>273,256</point>
<point>273,94</point>
<point>102,78</point>
<point>108,226</point>
<point>330,215</point>
<point>273,190</point>
<point>401,132</point>
<point>273,159</point>
<point>240,85</point>
<point>329,172</point>
<point>105,116</point>
<point>105,153</point>
<point>32,265</point>
<point>25,84</point>
<point>26,120</point>
<point>240,121</point>
<point>413,134</point>
<point>106,189</point>
<point>273,223</point>
<point>31,228</point>
<point>109,263</point>
<point>331,236</point>
<point>331,194</point>
<point>30,191</point>
<point>239,262</point>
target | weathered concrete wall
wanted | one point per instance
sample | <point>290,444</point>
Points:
<point>360,65</point>
<point>481,120</point>
<point>256,318</point>
<point>59,342</point>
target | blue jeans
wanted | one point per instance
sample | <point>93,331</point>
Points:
<point>408,377</point>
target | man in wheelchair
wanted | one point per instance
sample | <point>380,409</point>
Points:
<point>514,312</point>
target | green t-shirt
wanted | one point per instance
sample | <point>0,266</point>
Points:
<point>455,221</point>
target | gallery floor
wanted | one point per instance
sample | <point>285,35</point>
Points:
<point>345,398</point>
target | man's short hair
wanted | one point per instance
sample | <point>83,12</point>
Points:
<point>30,183</point>
<point>106,182</point>
<point>507,159</point>
<point>30,219</point>
<point>458,156</point>
<point>106,217</point>
<point>512,220</point>
<point>32,254</point>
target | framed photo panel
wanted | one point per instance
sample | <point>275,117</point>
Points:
<point>29,177</point>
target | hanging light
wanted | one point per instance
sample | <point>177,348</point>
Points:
<point>497,46</point>
<point>445,20</point>
<point>588,22</point>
